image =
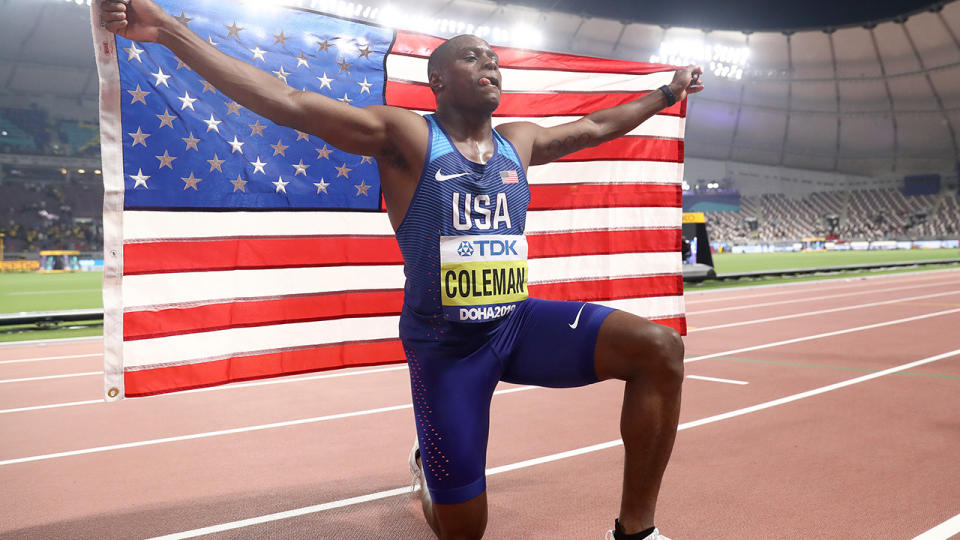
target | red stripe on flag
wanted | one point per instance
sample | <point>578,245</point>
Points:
<point>609,289</point>
<point>631,149</point>
<point>264,253</point>
<point>420,97</point>
<point>171,379</point>
<point>603,242</point>
<point>258,253</point>
<point>420,45</point>
<point>677,323</point>
<point>568,196</point>
<point>240,314</point>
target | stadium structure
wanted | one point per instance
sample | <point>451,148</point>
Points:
<point>827,121</point>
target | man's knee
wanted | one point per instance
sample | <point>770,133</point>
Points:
<point>631,348</point>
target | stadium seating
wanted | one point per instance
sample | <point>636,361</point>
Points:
<point>79,137</point>
<point>873,214</point>
<point>27,130</point>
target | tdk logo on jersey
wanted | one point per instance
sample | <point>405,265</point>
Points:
<point>492,248</point>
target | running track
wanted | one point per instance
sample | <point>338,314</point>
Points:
<point>815,410</point>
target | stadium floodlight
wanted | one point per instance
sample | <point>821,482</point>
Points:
<point>721,60</point>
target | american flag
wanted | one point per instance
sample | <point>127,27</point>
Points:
<point>239,249</point>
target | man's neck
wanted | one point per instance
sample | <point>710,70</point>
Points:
<point>465,125</point>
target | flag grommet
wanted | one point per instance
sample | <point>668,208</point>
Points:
<point>113,392</point>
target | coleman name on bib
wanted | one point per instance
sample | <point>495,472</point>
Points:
<point>482,277</point>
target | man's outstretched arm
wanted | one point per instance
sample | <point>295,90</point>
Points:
<point>549,144</point>
<point>355,130</point>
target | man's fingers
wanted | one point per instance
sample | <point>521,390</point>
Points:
<point>116,26</point>
<point>111,17</point>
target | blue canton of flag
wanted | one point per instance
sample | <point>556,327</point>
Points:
<point>187,145</point>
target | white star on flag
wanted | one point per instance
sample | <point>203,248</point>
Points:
<point>281,185</point>
<point>166,119</point>
<point>191,142</point>
<point>321,186</point>
<point>138,95</point>
<point>186,101</point>
<point>166,160</point>
<point>213,124</point>
<point>215,163</point>
<point>300,167</point>
<point>279,148</point>
<point>258,166</point>
<point>161,77</point>
<point>133,52</point>
<point>140,179</point>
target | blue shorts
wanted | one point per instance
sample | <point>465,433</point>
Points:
<point>542,342</point>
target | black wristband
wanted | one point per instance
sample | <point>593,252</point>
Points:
<point>668,93</point>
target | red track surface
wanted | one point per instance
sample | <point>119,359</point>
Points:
<point>877,459</point>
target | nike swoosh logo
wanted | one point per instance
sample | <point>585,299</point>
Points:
<point>445,177</point>
<point>577,320</point>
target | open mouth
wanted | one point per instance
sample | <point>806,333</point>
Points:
<point>489,81</point>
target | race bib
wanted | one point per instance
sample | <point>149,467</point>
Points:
<point>482,277</point>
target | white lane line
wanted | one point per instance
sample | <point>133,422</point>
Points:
<point>207,434</point>
<point>823,335</point>
<point>48,342</point>
<point>288,514</point>
<point>212,388</point>
<point>24,360</point>
<point>711,379</point>
<point>947,529</point>
<point>48,377</point>
<point>811,298</point>
<point>52,406</point>
<point>408,405</point>
<point>560,455</point>
<point>819,312</point>
<point>694,297</point>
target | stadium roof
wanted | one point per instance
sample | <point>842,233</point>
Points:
<point>874,100</point>
<point>745,15</point>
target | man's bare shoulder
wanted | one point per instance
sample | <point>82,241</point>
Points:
<point>397,116</point>
<point>522,135</point>
<point>406,136</point>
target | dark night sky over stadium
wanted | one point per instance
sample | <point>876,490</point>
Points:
<point>759,15</point>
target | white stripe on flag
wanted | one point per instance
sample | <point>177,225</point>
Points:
<point>146,290</point>
<point>587,219</point>
<point>189,348</point>
<point>603,267</point>
<point>179,225</point>
<point>144,226</point>
<point>653,172</point>
<point>413,69</point>
<point>190,288</point>
<point>656,307</point>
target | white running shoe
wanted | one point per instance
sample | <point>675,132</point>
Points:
<point>655,535</point>
<point>415,471</point>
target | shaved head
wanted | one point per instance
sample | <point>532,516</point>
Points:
<point>442,54</point>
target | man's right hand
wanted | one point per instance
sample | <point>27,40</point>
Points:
<point>137,20</point>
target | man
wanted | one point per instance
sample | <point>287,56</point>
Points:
<point>467,322</point>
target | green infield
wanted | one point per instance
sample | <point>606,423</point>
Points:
<point>732,263</point>
<point>50,292</point>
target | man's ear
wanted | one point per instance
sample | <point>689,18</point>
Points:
<point>436,81</point>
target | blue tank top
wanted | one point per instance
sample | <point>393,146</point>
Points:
<point>465,256</point>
